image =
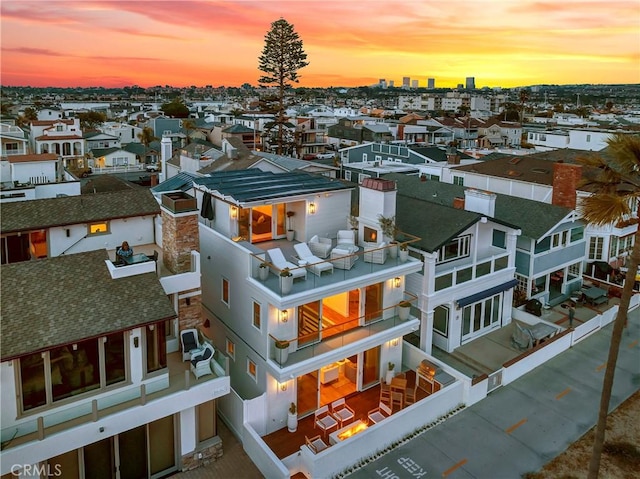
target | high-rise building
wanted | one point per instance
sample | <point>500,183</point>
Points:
<point>406,82</point>
<point>391,83</point>
<point>470,83</point>
<point>431,83</point>
<point>382,83</point>
<point>414,83</point>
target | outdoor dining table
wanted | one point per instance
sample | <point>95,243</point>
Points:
<point>594,293</point>
<point>136,258</point>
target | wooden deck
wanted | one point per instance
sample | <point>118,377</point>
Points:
<point>284,443</point>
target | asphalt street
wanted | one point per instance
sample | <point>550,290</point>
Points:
<point>520,427</point>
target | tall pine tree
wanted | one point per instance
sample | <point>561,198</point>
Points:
<point>281,58</point>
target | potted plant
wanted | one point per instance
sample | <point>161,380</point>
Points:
<point>353,224</point>
<point>282,350</point>
<point>263,271</point>
<point>389,230</point>
<point>403,252</point>
<point>403,310</point>
<point>292,418</point>
<point>290,232</point>
<point>286,281</point>
<point>390,372</point>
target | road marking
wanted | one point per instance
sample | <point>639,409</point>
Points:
<point>563,393</point>
<point>515,426</point>
<point>601,367</point>
<point>633,343</point>
<point>454,467</point>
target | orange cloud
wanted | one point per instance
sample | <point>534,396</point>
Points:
<point>500,42</point>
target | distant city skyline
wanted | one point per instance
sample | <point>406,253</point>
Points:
<point>500,43</point>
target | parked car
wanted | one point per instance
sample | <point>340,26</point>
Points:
<point>80,172</point>
<point>153,167</point>
<point>325,156</point>
<point>309,156</point>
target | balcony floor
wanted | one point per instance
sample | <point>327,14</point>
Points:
<point>284,443</point>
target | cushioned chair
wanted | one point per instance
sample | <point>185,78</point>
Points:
<point>279,261</point>
<point>376,253</point>
<point>201,362</point>
<point>316,444</point>
<point>346,237</point>
<point>315,264</point>
<point>324,420</point>
<point>378,414</point>
<point>342,412</point>
<point>190,342</point>
<point>321,247</point>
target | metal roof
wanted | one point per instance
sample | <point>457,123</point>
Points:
<point>181,182</point>
<point>246,186</point>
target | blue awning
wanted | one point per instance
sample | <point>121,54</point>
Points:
<point>486,293</point>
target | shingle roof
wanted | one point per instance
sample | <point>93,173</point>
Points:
<point>62,300</point>
<point>49,212</point>
<point>534,218</point>
<point>250,185</point>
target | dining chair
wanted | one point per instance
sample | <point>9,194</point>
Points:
<point>378,414</point>
<point>342,412</point>
<point>316,444</point>
<point>410,394</point>
<point>324,420</point>
<point>385,392</point>
<point>397,399</point>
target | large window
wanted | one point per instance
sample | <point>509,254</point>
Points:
<point>99,228</point>
<point>458,248</point>
<point>256,314</point>
<point>71,370</point>
<point>481,316</point>
<point>595,247</point>
<point>23,247</point>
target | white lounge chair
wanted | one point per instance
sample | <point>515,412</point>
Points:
<point>201,362</point>
<point>321,247</point>
<point>346,237</point>
<point>315,264</point>
<point>376,253</point>
<point>280,262</point>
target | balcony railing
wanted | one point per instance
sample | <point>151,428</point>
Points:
<point>309,345</point>
<point>464,271</point>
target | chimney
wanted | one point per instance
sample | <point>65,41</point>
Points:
<point>566,177</point>
<point>166,152</point>
<point>377,198</point>
<point>478,201</point>
<point>154,180</point>
<point>400,132</point>
<point>458,203</point>
<point>453,158</point>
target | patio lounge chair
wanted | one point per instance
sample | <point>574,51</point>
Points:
<point>190,342</point>
<point>316,265</point>
<point>321,247</point>
<point>201,362</point>
<point>279,261</point>
<point>346,237</point>
<point>375,253</point>
<point>316,444</point>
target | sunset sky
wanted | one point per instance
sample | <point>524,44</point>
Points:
<point>180,43</point>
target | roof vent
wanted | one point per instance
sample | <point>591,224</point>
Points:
<point>514,173</point>
<point>542,171</point>
<point>515,161</point>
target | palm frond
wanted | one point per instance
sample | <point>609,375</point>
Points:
<point>604,208</point>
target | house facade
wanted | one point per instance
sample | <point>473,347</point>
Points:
<point>104,386</point>
<point>62,137</point>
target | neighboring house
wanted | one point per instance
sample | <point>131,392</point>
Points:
<point>466,287</point>
<point>552,177</point>
<point>493,134</point>
<point>96,140</point>
<point>281,164</point>
<point>354,131</point>
<point>373,160</point>
<point>339,322</point>
<point>103,159</point>
<point>61,137</point>
<point>48,114</point>
<point>308,137</point>
<point>550,249</point>
<point>123,131</point>
<point>584,139</point>
<point>13,140</point>
<point>104,385</point>
<point>31,177</point>
<point>249,137</point>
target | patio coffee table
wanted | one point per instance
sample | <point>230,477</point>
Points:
<point>343,256</point>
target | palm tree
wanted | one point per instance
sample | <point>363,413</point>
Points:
<point>146,136</point>
<point>615,187</point>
